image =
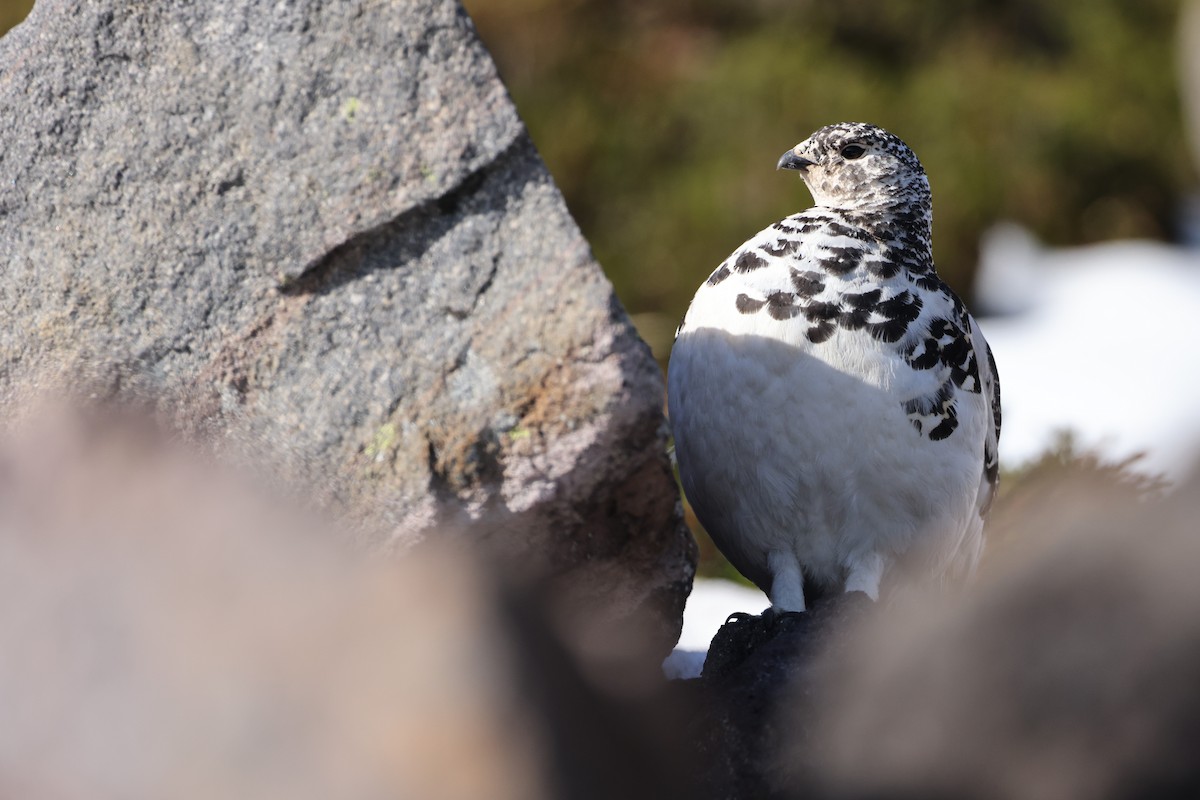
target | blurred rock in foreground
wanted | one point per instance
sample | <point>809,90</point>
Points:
<point>1068,671</point>
<point>168,632</point>
<point>319,233</point>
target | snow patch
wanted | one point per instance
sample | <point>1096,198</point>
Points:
<point>1100,341</point>
<point>711,602</point>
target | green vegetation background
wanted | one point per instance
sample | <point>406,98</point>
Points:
<point>12,12</point>
<point>661,120</point>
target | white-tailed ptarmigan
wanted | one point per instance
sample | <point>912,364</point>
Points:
<point>835,408</point>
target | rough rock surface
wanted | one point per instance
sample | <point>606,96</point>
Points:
<point>319,231</point>
<point>756,699</point>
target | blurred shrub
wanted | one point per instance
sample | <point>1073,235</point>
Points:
<point>661,121</point>
<point>1065,471</point>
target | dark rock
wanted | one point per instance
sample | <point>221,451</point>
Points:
<point>761,674</point>
<point>318,232</point>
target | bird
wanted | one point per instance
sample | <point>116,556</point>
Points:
<point>835,408</point>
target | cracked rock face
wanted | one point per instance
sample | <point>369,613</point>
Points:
<point>319,232</point>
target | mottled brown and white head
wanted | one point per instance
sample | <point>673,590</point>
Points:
<point>857,166</point>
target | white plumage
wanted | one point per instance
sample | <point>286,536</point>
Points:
<point>835,408</point>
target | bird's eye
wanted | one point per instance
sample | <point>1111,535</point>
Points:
<point>853,151</point>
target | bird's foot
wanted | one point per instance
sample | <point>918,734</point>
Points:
<point>743,635</point>
<point>775,618</point>
<point>738,617</point>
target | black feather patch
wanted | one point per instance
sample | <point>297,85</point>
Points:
<point>943,429</point>
<point>783,247</point>
<point>782,305</point>
<point>748,305</point>
<point>721,273</point>
<point>748,261</point>
<point>841,260</point>
<point>864,300</point>
<point>822,312</point>
<point>807,284</point>
<point>820,332</point>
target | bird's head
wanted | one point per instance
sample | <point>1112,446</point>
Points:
<point>856,166</point>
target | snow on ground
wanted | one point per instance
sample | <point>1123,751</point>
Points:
<point>1103,341</point>
<point>711,602</point>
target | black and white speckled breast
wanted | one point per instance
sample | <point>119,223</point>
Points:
<point>827,270</point>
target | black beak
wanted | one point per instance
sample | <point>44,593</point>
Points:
<point>790,160</point>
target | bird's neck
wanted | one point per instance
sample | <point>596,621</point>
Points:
<point>904,222</point>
